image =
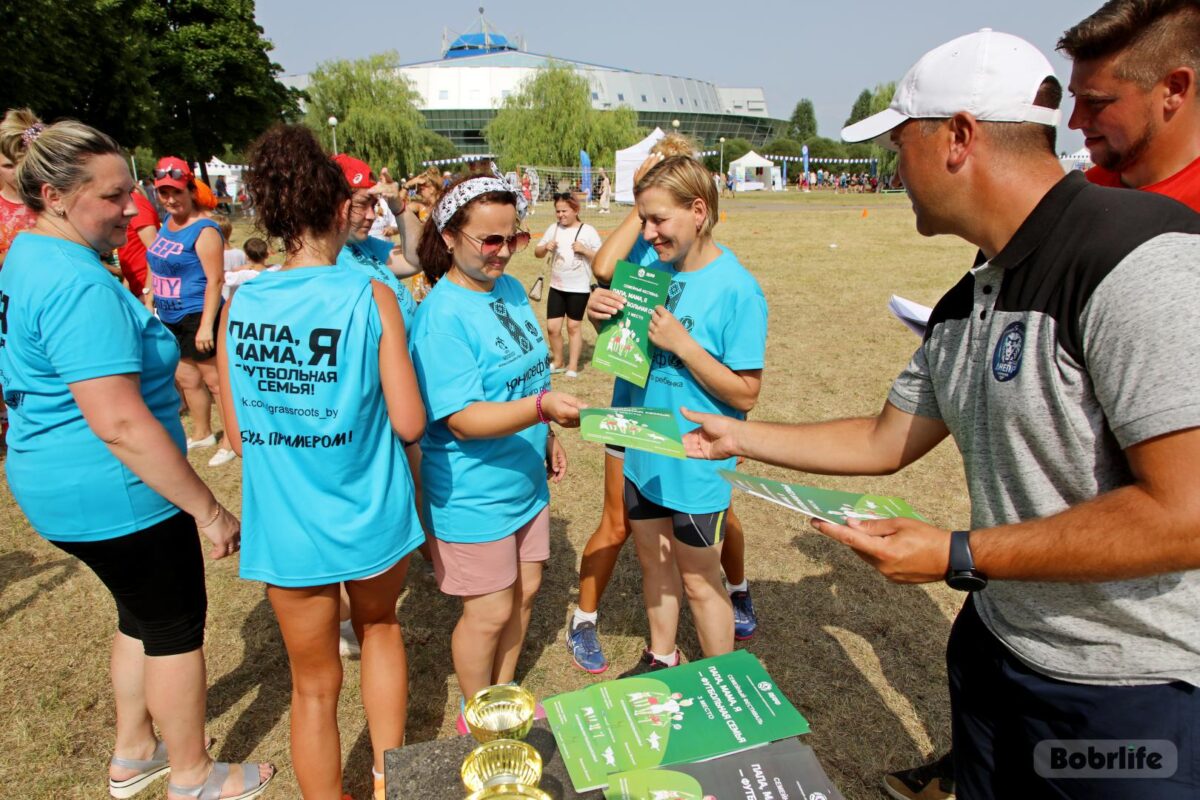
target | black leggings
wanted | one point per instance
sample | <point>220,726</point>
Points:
<point>156,577</point>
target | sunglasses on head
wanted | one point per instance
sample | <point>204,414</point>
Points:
<point>562,196</point>
<point>174,173</point>
<point>490,245</point>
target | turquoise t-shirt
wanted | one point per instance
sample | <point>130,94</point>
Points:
<point>471,347</point>
<point>725,311</point>
<point>641,254</point>
<point>370,257</point>
<point>64,319</point>
<point>327,495</point>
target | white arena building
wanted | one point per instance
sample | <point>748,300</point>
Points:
<point>461,92</point>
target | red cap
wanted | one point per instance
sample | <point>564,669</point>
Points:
<point>357,173</point>
<point>167,165</point>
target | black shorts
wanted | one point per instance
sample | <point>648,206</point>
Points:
<point>1004,714</point>
<point>156,577</point>
<point>185,335</point>
<point>566,304</point>
<point>695,530</point>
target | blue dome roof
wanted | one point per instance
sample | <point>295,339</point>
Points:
<point>473,44</point>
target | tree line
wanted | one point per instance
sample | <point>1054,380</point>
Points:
<point>188,77</point>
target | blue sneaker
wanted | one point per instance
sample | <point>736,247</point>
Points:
<point>745,623</point>
<point>584,644</point>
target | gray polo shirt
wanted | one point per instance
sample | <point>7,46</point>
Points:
<point>1080,339</point>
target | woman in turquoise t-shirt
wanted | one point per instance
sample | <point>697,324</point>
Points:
<point>96,454</point>
<point>710,339</point>
<point>315,371</point>
<point>484,371</point>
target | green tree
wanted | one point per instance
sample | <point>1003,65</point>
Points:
<point>189,77</point>
<point>216,85</point>
<point>377,114</point>
<point>782,147</point>
<point>89,61</point>
<point>550,118</point>
<point>820,147</point>
<point>861,108</point>
<point>803,124</point>
<point>881,98</point>
<point>734,149</point>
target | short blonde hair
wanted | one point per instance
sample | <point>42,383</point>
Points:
<point>675,144</point>
<point>686,180</point>
<point>54,155</point>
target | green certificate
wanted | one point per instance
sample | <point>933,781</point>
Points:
<point>674,716</point>
<point>623,345</point>
<point>826,504</point>
<point>651,429</point>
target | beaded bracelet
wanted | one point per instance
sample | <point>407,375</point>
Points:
<point>542,417</point>
<point>216,514</point>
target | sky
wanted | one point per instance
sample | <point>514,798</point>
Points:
<point>828,52</point>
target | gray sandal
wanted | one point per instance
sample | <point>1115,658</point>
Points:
<point>211,789</point>
<point>149,770</point>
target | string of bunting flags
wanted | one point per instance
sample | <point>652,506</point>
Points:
<point>812,160</point>
<point>460,159</point>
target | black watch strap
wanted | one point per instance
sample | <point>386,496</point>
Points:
<point>962,574</point>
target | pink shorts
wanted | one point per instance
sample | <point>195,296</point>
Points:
<point>466,569</point>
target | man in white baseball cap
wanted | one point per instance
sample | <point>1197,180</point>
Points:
<point>1064,366</point>
<point>993,76</point>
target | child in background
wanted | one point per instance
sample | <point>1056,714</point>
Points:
<point>235,259</point>
<point>257,252</point>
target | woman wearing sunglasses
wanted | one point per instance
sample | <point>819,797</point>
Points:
<point>573,245</point>
<point>488,449</point>
<point>315,361</point>
<point>187,262</point>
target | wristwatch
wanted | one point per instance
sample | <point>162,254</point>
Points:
<point>962,574</point>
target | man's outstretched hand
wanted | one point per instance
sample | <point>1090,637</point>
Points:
<point>714,440</point>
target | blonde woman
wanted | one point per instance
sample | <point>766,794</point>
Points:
<point>604,546</point>
<point>96,456</point>
<point>678,510</point>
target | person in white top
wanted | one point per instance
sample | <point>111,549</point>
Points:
<point>573,245</point>
<point>257,252</point>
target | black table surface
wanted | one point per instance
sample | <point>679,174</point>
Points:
<point>430,770</point>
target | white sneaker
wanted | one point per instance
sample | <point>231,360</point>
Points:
<point>572,373</point>
<point>348,646</point>
<point>207,441</point>
<point>557,370</point>
<point>221,457</point>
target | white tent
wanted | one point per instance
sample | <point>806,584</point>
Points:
<point>628,160</point>
<point>1080,159</point>
<point>752,172</point>
<point>232,173</point>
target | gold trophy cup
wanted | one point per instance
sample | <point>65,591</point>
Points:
<point>507,791</point>
<point>500,712</point>
<point>501,761</point>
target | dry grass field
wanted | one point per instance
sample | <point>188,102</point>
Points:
<point>861,658</point>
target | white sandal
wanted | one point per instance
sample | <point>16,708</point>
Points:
<point>211,788</point>
<point>149,770</point>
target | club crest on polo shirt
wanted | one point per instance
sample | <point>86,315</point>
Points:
<point>1006,359</point>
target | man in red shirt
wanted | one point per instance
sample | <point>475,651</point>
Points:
<point>1134,80</point>
<point>132,254</point>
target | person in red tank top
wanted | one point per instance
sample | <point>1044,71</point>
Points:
<point>132,254</point>
<point>1134,81</point>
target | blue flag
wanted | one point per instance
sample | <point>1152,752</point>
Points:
<point>585,180</point>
